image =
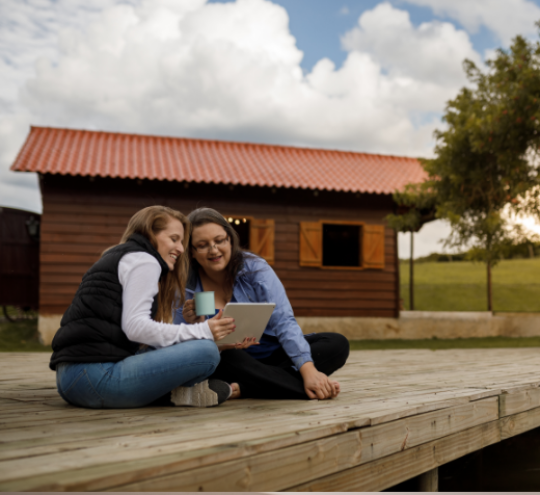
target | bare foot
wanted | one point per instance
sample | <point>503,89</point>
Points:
<point>235,391</point>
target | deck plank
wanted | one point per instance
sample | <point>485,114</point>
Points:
<point>329,455</point>
<point>396,468</point>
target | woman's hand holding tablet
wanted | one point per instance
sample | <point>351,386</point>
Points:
<point>250,319</point>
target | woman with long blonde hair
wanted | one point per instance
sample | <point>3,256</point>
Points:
<point>117,346</point>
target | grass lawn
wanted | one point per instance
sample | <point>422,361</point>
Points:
<point>435,344</point>
<point>461,286</point>
<point>21,336</point>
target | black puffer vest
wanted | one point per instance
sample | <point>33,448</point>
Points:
<point>91,328</point>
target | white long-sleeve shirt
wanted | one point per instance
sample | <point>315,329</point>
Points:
<point>139,276</point>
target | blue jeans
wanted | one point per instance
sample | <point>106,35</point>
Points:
<point>137,380</point>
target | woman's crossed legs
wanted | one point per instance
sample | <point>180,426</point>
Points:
<point>274,377</point>
<point>137,380</point>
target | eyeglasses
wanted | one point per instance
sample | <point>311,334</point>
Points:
<point>205,248</point>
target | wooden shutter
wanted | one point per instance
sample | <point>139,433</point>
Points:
<point>373,246</point>
<point>261,238</point>
<point>310,244</point>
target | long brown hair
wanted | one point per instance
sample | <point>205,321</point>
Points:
<point>149,222</point>
<point>203,216</point>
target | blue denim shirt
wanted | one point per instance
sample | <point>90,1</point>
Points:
<point>257,282</point>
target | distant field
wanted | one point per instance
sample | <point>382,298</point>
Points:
<point>461,286</point>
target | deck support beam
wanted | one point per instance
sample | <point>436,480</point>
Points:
<point>429,481</point>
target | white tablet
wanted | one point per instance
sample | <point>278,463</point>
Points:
<point>250,319</point>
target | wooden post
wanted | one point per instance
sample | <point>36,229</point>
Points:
<point>429,481</point>
<point>411,275</point>
<point>489,292</point>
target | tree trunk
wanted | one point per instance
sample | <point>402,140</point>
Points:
<point>489,294</point>
<point>411,275</point>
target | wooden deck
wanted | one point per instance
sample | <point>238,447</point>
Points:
<point>401,414</point>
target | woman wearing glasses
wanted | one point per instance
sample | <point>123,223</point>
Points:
<point>286,364</point>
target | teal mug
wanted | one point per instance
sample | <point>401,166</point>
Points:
<point>204,303</point>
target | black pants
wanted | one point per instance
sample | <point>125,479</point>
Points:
<point>274,377</point>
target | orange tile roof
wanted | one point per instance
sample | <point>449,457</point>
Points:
<point>111,154</point>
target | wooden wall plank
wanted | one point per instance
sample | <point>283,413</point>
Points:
<point>314,275</point>
<point>354,285</point>
<point>342,304</point>
<point>364,313</point>
<point>337,295</point>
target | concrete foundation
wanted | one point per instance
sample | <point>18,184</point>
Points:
<point>409,325</point>
<point>47,327</point>
<point>428,325</point>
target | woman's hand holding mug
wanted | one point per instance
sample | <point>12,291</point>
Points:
<point>189,313</point>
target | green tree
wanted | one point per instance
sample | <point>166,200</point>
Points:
<point>486,160</point>
<point>415,207</point>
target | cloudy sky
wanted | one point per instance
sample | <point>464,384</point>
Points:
<point>362,75</point>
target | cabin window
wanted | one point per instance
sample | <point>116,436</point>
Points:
<point>341,245</point>
<point>242,226</point>
<point>256,235</point>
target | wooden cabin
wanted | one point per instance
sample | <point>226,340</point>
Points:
<point>19,258</point>
<point>317,216</point>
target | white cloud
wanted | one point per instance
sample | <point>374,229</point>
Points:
<point>225,71</point>
<point>16,190</point>
<point>506,18</point>
<point>431,53</point>
<point>233,71</point>
<point>428,240</point>
<point>430,237</point>
<point>29,32</point>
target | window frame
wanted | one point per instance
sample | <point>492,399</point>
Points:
<point>361,224</point>
<point>253,221</point>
